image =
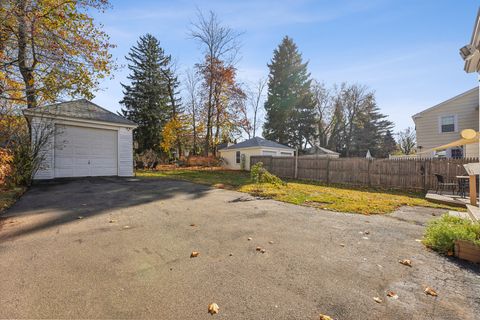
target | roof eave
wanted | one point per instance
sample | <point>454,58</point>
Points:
<point>47,115</point>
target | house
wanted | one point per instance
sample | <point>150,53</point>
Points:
<point>442,124</point>
<point>320,152</point>
<point>237,156</point>
<point>81,139</point>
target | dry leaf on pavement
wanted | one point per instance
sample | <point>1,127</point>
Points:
<point>271,242</point>
<point>325,317</point>
<point>80,217</point>
<point>406,262</point>
<point>249,239</point>
<point>392,294</point>
<point>430,291</point>
<point>194,254</point>
<point>377,299</point>
<point>213,308</point>
<point>263,250</point>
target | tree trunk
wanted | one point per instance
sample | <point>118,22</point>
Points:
<point>25,70</point>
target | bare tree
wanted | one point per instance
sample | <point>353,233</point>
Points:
<point>325,113</point>
<point>256,97</point>
<point>406,140</point>
<point>193,101</point>
<point>219,43</point>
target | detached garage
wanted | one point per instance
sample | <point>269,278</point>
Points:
<point>84,140</point>
<point>237,156</point>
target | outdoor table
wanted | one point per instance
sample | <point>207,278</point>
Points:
<point>462,185</point>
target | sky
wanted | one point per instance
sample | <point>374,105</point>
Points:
<point>406,51</point>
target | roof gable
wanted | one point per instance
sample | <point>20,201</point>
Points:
<point>79,109</point>
<point>473,91</point>
<point>257,142</point>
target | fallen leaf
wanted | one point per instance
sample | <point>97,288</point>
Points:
<point>126,227</point>
<point>406,262</point>
<point>249,239</point>
<point>231,254</point>
<point>325,317</point>
<point>263,250</point>
<point>271,242</point>
<point>219,186</point>
<point>450,253</point>
<point>80,217</point>
<point>258,249</point>
<point>418,240</point>
<point>377,299</point>
<point>192,225</point>
<point>213,308</point>
<point>342,244</point>
<point>365,238</point>
<point>392,295</point>
<point>367,232</point>
<point>112,221</point>
<point>430,291</point>
<point>194,254</point>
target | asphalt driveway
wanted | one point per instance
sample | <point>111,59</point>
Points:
<point>128,256</point>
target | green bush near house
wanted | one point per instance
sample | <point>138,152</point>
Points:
<point>441,234</point>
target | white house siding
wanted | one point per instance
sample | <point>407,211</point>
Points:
<point>229,156</point>
<point>464,108</point>
<point>125,152</point>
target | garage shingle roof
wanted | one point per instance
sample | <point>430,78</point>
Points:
<point>82,109</point>
<point>257,142</point>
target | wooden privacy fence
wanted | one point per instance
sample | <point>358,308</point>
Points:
<point>405,174</point>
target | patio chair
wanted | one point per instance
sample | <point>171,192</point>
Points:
<point>442,184</point>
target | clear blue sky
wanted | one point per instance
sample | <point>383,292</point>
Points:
<point>404,50</point>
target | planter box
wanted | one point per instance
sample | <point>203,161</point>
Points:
<point>467,251</point>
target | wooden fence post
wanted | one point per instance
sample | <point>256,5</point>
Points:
<point>328,171</point>
<point>296,163</point>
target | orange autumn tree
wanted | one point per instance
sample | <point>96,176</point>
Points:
<point>51,48</point>
<point>225,117</point>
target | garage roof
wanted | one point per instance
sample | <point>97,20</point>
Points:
<point>81,109</point>
<point>257,142</point>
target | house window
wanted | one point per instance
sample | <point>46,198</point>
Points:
<point>237,157</point>
<point>447,124</point>
<point>457,153</point>
<point>285,153</point>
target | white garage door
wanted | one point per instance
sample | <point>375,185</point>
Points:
<point>84,152</point>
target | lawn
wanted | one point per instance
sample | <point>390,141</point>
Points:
<point>307,193</point>
<point>8,197</point>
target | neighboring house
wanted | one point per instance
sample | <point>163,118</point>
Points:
<point>83,140</point>
<point>442,124</point>
<point>320,152</point>
<point>237,156</point>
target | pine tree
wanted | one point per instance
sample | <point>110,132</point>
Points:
<point>289,106</point>
<point>389,145</point>
<point>146,98</point>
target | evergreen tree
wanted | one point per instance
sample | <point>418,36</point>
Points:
<point>290,105</point>
<point>389,145</point>
<point>370,128</point>
<point>146,98</point>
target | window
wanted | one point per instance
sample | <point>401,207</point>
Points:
<point>447,124</point>
<point>285,153</point>
<point>457,153</point>
<point>237,157</point>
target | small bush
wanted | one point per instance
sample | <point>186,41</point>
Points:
<point>441,234</point>
<point>259,174</point>
<point>201,161</point>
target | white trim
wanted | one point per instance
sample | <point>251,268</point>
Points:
<point>257,147</point>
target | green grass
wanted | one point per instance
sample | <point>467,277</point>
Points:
<point>308,193</point>
<point>441,234</point>
<point>9,196</point>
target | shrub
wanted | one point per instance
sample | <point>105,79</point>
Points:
<point>147,159</point>
<point>441,234</point>
<point>203,161</point>
<point>259,174</point>
<point>6,167</point>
